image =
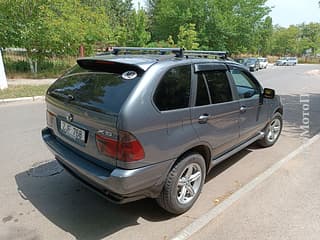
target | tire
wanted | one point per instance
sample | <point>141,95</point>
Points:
<point>183,184</point>
<point>272,131</point>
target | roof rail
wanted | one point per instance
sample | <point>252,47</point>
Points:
<point>161,51</point>
<point>199,53</point>
<point>179,52</point>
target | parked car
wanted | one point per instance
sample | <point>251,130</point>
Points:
<point>252,64</point>
<point>239,60</point>
<point>292,61</point>
<point>136,126</point>
<point>263,63</point>
<point>287,61</point>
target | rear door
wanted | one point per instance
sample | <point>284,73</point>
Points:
<point>172,101</point>
<point>253,116</point>
<point>215,114</point>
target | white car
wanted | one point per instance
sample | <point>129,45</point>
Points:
<point>292,61</point>
<point>287,61</point>
<point>263,63</point>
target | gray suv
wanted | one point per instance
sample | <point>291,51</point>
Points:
<point>153,125</point>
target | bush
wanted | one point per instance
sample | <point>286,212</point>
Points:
<point>46,68</point>
<point>20,66</point>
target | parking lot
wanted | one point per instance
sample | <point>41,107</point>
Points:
<point>41,201</point>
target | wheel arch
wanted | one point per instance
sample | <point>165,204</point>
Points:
<point>201,149</point>
<point>278,110</point>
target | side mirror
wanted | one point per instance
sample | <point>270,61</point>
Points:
<point>268,93</point>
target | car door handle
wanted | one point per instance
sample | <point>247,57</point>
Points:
<point>243,109</point>
<point>203,118</point>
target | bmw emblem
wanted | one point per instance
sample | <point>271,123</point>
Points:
<point>70,117</point>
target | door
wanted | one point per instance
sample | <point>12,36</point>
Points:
<point>252,115</point>
<point>215,114</point>
<point>172,131</point>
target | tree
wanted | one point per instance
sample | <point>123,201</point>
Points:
<point>46,28</point>
<point>310,37</point>
<point>168,16</point>
<point>187,37</point>
<point>285,41</point>
<point>296,39</point>
<point>220,24</point>
<point>137,34</point>
<point>263,36</point>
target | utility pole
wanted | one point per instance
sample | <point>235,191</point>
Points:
<point>3,79</point>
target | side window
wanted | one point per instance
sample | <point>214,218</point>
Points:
<point>202,92</point>
<point>246,87</point>
<point>173,92</point>
<point>219,86</point>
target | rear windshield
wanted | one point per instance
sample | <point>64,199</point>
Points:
<point>99,91</point>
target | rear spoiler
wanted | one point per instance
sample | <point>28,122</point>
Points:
<point>107,65</point>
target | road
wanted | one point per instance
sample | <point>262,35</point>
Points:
<point>41,201</point>
<point>285,206</point>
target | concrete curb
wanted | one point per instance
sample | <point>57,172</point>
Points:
<point>22,99</point>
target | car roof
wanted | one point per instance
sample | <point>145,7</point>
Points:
<point>146,61</point>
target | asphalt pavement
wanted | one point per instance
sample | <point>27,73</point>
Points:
<point>41,201</point>
<point>286,206</point>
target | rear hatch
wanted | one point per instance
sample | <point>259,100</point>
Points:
<point>86,101</point>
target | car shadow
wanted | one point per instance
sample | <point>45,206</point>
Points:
<point>224,165</point>
<point>72,207</point>
<point>79,211</point>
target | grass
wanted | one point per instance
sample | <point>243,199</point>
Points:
<point>28,75</point>
<point>23,91</point>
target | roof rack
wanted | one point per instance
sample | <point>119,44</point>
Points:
<point>199,53</point>
<point>179,52</point>
<point>161,51</point>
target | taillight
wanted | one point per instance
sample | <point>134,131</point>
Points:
<point>50,118</point>
<point>124,147</point>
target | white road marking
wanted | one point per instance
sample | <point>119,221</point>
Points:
<point>199,223</point>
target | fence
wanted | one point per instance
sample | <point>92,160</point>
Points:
<point>19,65</point>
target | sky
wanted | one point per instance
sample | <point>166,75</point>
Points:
<point>292,12</point>
<point>287,12</point>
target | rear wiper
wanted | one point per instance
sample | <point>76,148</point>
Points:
<point>67,97</point>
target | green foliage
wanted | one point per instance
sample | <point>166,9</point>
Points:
<point>137,34</point>
<point>51,27</point>
<point>19,66</point>
<point>187,37</point>
<point>310,37</point>
<point>263,37</point>
<point>220,24</point>
<point>285,40</point>
<point>16,66</point>
<point>47,28</point>
<point>296,40</point>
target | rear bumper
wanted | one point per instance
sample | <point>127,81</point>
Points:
<point>117,185</point>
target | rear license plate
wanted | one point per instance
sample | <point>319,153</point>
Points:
<point>72,132</point>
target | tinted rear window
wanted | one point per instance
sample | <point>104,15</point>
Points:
<point>99,91</point>
<point>173,91</point>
